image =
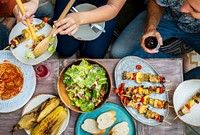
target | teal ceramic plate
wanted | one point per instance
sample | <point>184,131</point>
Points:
<point>121,115</point>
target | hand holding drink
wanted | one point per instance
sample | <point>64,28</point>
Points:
<point>151,43</point>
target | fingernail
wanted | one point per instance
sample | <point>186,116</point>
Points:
<point>54,26</point>
<point>54,35</point>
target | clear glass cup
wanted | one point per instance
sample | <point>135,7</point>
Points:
<point>42,71</point>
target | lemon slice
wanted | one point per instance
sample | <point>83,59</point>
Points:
<point>139,77</point>
<point>27,33</point>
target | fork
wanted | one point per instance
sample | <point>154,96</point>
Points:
<point>95,27</point>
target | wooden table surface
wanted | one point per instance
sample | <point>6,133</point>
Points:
<point>172,69</point>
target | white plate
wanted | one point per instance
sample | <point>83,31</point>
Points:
<point>38,100</point>
<point>129,64</point>
<point>20,51</point>
<point>182,95</point>
<point>84,32</point>
<point>28,86</point>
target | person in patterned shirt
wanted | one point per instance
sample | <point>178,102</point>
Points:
<point>163,19</point>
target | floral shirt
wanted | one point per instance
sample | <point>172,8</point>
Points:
<point>172,13</point>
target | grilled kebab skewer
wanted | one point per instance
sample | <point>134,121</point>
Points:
<point>140,77</point>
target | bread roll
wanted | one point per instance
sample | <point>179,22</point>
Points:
<point>120,129</point>
<point>90,126</point>
<point>106,119</point>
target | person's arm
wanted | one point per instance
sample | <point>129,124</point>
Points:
<point>103,13</point>
<point>69,25</point>
<point>154,14</point>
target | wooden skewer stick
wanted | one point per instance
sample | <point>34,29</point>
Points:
<point>167,89</point>
<point>126,95</point>
<point>120,74</point>
<point>171,106</point>
<point>167,122</point>
<point>167,81</point>
<point>6,48</point>
<point>176,117</point>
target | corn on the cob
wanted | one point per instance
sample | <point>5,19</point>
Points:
<point>48,107</point>
<point>51,124</point>
<point>30,120</point>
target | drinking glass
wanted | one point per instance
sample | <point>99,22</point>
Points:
<point>42,71</point>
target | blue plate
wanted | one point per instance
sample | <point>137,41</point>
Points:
<point>27,90</point>
<point>121,115</point>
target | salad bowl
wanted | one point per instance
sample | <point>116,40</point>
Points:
<point>84,85</point>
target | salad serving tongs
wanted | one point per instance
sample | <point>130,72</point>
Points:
<point>94,26</point>
<point>44,44</point>
<point>33,34</point>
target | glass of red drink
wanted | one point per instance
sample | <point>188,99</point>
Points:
<point>42,71</point>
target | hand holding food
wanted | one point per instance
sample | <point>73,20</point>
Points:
<point>30,8</point>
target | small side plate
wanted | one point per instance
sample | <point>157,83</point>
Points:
<point>121,115</point>
<point>20,51</point>
<point>182,95</point>
<point>84,32</point>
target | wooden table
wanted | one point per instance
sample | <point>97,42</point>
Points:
<point>172,69</point>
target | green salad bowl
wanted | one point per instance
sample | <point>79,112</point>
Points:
<point>84,85</point>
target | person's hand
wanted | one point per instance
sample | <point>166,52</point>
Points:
<point>29,7</point>
<point>69,25</point>
<point>148,33</point>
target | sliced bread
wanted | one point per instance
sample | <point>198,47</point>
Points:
<point>90,126</point>
<point>120,129</point>
<point>106,119</point>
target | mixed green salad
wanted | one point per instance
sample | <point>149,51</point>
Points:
<point>86,85</point>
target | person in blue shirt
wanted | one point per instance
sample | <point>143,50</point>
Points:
<point>106,10</point>
<point>163,19</point>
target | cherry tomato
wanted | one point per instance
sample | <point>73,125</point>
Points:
<point>121,90</point>
<point>138,107</point>
<point>142,99</point>
<point>187,106</point>
<point>46,19</point>
<point>134,76</point>
<point>116,91</point>
<point>125,100</point>
<point>158,118</point>
<point>122,85</point>
<point>121,97</point>
<point>162,79</point>
<point>138,67</point>
<point>161,90</point>
<point>165,105</point>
